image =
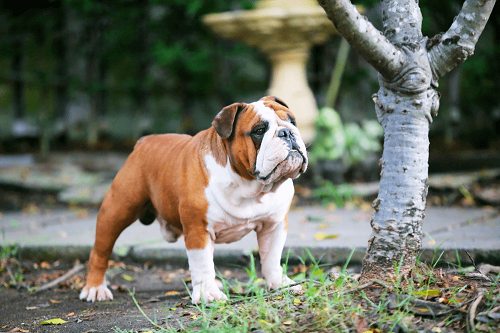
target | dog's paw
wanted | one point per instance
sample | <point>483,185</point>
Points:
<point>296,289</point>
<point>283,281</point>
<point>98,293</point>
<point>207,291</point>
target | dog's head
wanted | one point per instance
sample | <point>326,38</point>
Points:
<point>262,140</point>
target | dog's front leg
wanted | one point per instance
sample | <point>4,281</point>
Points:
<point>201,265</point>
<point>271,239</point>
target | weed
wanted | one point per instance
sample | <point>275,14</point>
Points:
<point>9,264</point>
<point>329,193</point>
<point>338,304</point>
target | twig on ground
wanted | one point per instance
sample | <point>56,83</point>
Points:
<point>132,295</point>
<point>77,268</point>
<point>472,312</point>
<point>276,291</point>
<point>368,284</point>
<point>12,277</point>
<point>487,268</point>
<point>478,271</point>
<point>471,260</point>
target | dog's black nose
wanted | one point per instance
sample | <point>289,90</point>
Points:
<point>285,133</point>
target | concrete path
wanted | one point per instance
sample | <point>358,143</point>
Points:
<point>330,234</point>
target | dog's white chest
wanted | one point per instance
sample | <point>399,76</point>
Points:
<point>233,208</point>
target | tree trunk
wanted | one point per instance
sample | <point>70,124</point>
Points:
<point>409,66</point>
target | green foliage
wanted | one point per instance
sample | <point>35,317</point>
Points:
<point>153,61</point>
<point>331,302</point>
<point>329,193</point>
<point>349,142</point>
<point>8,251</point>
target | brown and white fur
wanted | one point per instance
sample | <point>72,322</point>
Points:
<point>214,187</point>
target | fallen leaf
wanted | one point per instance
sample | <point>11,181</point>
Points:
<point>312,218</point>
<point>287,322</point>
<point>171,293</point>
<point>361,324</point>
<point>45,265</point>
<point>53,321</point>
<point>31,307</point>
<point>323,236</point>
<point>427,293</point>
<point>297,301</point>
<point>55,301</point>
<point>127,277</point>
<point>17,329</point>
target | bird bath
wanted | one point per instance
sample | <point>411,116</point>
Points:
<point>284,30</point>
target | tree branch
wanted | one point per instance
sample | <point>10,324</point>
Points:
<point>402,22</point>
<point>458,43</point>
<point>364,37</point>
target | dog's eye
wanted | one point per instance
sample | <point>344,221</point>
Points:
<point>292,120</point>
<point>259,131</point>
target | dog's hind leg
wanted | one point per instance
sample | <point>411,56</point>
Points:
<point>118,210</point>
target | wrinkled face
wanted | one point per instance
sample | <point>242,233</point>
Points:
<point>262,140</point>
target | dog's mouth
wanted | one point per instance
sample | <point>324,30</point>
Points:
<point>288,168</point>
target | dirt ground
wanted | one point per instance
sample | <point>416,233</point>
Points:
<point>161,292</point>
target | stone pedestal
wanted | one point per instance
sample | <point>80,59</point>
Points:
<point>289,82</point>
<point>284,30</point>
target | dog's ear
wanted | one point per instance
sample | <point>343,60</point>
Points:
<point>275,99</point>
<point>225,119</point>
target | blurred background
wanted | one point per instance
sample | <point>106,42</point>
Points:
<point>82,80</point>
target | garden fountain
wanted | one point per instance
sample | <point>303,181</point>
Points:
<point>284,30</point>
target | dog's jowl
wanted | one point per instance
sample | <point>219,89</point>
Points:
<point>214,187</point>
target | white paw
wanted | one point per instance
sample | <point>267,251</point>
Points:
<point>207,291</point>
<point>283,281</point>
<point>99,293</point>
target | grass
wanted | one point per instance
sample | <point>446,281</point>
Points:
<point>8,256</point>
<point>429,301</point>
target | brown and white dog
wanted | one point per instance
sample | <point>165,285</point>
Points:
<point>214,187</point>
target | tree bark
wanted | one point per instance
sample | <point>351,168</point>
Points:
<point>409,65</point>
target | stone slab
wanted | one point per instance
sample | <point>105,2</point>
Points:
<point>331,233</point>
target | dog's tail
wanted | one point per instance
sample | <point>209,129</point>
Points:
<point>148,214</point>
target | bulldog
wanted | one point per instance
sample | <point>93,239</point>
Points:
<point>214,187</point>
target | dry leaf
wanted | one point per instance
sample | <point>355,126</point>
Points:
<point>45,265</point>
<point>297,301</point>
<point>172,293</point>
<point>322,236</point>
<point>17,329</point>
<point>287,322</point>
<point>53,321</point>
<point>55,301</point>
<point>127,277</point>
<point>428,293</point>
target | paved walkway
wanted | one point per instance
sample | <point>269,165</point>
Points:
<point>328,233</point>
